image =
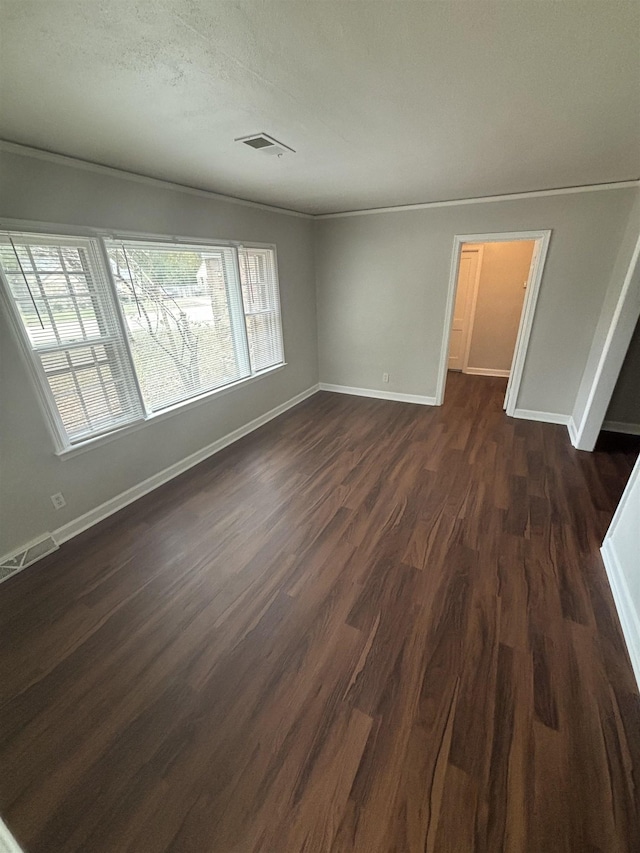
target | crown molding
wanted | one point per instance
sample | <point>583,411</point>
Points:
<point>486,199</point>
<point>89,166</point>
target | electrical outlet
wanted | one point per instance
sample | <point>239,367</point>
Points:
<point>58,500</point>
<point>385,377</point>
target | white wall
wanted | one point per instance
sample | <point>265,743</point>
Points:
<point>505,269</point>
<point>37,189</point>
<point>621,554</point>
<point>382,286</point>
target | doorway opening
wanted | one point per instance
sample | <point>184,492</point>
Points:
<point>493,289</point>
<point>620,432</point>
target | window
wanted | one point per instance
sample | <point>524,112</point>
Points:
<point>184,318</point>
<point>261,306</point>
<point>71,325</point>
<point>121,329</point>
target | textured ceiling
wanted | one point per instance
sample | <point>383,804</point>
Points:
<point>385,102</point>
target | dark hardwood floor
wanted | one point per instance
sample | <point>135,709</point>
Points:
<point>369,626</point>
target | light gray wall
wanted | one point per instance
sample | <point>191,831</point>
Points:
<point>624,407</point>
<point>505,268</point>
<point>620,268</point>
<point>35,189</point>
<point>382,284</point>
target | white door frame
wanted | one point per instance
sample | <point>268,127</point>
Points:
<point>540,250</point>
<point>625,316</point>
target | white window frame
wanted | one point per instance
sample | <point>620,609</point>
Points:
<point>33,352</point>
<point>277,302</point>
<point>95,239</point>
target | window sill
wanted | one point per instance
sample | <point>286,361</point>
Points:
<point>98,441</point>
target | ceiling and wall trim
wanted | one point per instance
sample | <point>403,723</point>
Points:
<point>542,417</point>
<point>94,516</point>
<point>397,397</point>
<point>487,199</point>
<point>487,371</point>
<point>87,165</point>
<point>621,426</point>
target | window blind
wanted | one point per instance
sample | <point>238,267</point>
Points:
<point>121,329</point>
<point>261,307</point>
<point>183,313</point>
<point>68,319</point>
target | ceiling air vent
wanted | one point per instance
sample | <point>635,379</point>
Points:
<point>265,144</point>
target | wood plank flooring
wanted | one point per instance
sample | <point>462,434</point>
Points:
<point>369,626</point>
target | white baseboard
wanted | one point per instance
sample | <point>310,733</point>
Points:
<point>88,519</point>
<point>27,555</point>
<point>573,431</point>
<point>545,417</point>
<point>629,620</point>
<point>576,434</point>
<point>620,426</point>
<point>8,844</point>
<point>379,395</point>
<point>73,528</point>
<point>486,371</point>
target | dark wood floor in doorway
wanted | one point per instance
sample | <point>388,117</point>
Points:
<point>370,626</point>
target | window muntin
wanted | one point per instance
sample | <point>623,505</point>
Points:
<point>71,327</point>
<point>261,306</point>
<point>121,329</point>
